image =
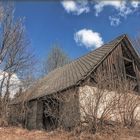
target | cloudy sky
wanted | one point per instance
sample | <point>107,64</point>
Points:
<point>78,26</point>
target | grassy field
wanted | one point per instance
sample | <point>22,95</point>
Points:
<point>15,133</point>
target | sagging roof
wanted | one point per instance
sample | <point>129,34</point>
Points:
<point>71,74</point>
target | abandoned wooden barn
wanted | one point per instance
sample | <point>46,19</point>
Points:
<point>117,57</point>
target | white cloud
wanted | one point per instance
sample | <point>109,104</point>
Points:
<point>88,38</point>
<point>135,4</point>
<point>123,9</point>
<point>114,21</point>
<point>121,6</point>
<point>100,5</point>
<point>14,83</point>
<point>76,7</point>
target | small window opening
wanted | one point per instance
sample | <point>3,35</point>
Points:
<point>129,69</point>
<point>130,73</point>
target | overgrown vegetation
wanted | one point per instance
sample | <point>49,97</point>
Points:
<point>15,56</point>
<point>102,108</point>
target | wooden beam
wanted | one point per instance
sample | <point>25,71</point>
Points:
<point>127,59</point>
<point>127,75</point>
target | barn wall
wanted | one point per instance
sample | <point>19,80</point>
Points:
<point>69,109</point>
<point>31,115</point>
<point>138,76</point>
<point>34,115</point>
<point>88,96</point>
<point>87,102</point>
<point>39,117</point>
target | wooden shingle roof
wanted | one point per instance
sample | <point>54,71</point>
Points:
<point>72,73</point>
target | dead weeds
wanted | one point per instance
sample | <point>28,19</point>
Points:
<point>16,133</point>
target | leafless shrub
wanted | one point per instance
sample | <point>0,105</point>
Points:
<point>97,103</point>
<point>61,110</point>
<point>128,105</point>
<point>102,105</point>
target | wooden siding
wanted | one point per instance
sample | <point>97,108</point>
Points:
<point>31,115</point>
<point>114,68</point>
<point>138,76</point>
<point>39,117</point>
<point>34,116</point>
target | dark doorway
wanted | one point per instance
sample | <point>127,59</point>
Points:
<point>50,113</point>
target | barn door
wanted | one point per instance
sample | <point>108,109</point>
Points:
<point>51,113</point>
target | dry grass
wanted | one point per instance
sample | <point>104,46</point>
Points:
<point>14,133</point>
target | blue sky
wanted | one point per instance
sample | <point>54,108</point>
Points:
<point>78,26</point>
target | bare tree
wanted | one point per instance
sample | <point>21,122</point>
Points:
<point>15,56</point>
<point>56,58</point>
<point>136,43</point>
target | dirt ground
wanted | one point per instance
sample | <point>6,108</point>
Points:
<point>14,133</point>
